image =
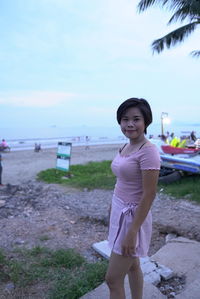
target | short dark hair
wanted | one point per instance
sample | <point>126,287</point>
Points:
<point>142,105</point>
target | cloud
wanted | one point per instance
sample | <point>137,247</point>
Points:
<point>35,98</point>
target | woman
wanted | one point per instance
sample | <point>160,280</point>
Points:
<point>136,167</point>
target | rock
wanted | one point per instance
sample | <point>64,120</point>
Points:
<point>2,203</point>
<point>148,267</point>
<point>9,287</point>
<point>66,207</point>
<point>165,272</point>
<point>169,237</point>
<point>65,178</point>
<point>144,260</point>
<point>19,242</point>
<point>172,294</point>
<point>153,278</point>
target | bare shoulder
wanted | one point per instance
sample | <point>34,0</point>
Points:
<point>149,144</point>
<point>122,147</point>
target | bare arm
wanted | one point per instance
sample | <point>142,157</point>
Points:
<point>149,182</point>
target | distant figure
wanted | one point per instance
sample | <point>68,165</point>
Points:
<point>1,169</point>
<point>37,147</point>
<point>163,137</point>
<point>87,139</point>
<point>192,136</point>
<point>4,145</point>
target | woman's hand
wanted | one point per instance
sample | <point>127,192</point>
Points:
<point>129,244</point>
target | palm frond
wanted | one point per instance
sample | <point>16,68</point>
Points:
<point>195,54</point>
<point>182,13</point>
<point>182,9</point>
<point>173,37</point>
<point>144,4</point>
<point>192,6</point>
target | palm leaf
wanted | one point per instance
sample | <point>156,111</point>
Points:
<point>144,4</point>
<point>190,5</point>
<point>173,37</point>
<point>195,53</point>
<point>189,10</point>
<point>182,9</point>
<point>182,14</point>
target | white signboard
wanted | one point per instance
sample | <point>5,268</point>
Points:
<point>64,148</point>
<point>63,156</point>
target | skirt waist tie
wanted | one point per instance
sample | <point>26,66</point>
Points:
<point>126,219</point>
<point>121,220</point>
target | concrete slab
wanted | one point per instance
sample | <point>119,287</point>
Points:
<point>102,292</point>
<point>182,256</point>
<point>192,291</point>
<point>179,254</point>
<point>153,272</point>
<point>102,248</point>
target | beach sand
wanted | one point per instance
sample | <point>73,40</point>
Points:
<point>21,166</point>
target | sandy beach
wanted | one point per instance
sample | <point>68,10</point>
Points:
<point>21,166</point>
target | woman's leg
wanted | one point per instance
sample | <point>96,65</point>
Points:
<point>135,276</point>
<point>118,267</point>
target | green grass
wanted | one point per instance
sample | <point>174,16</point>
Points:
<point>65,272</point>
<point>98,175</point>
<point>92,176</point>
<point>186,187</point>
<point>82,280</point>
<point>44,238</point>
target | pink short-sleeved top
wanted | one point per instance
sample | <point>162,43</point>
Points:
<point>128,170</point>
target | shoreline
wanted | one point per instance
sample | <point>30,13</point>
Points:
<point>21,166</point>
<point>52,146</point>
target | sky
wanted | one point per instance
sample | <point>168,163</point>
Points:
<point>72,63</point>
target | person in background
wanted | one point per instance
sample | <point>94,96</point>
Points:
<point>1,169</point>
<point>87,139</point>
<point>192,136</point>
<point>136,167</point>
<point>37,147</point>
<point>4,145</point>
<point>163,138</point>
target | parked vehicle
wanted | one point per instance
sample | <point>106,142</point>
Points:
<point>172,150</point>
<point>176,162</point>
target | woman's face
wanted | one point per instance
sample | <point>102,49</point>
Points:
<point>132,123</point>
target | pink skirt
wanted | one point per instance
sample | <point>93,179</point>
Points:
<point>121,218</point>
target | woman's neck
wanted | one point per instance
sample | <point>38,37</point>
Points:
<point>137,141</point>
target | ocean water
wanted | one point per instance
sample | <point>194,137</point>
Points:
<point>25,138</point>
